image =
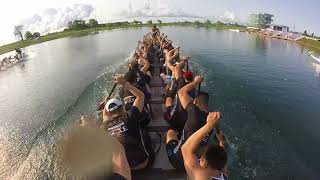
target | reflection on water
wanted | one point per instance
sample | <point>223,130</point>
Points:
<point>317,68</point>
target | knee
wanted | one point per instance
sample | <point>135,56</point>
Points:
<point>171,135</point>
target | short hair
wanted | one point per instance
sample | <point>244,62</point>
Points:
<point>203,97</point>
<point>154,28</point>
<point>131,76</point>
<point>216,157</point>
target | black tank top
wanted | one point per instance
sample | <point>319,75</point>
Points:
<point>126,130</point>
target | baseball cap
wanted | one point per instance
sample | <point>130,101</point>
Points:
<point>188,75</point>
<point>113,104</point>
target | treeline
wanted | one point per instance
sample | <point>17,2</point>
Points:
<point>18,31</point>
<point>92,23</point>
<point>81,24</point>
<point>29,35</point>
<point>305,33</point>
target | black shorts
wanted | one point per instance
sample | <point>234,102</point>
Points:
<point>174,154</point>
<point>176,120</point>
<point>167,115</point>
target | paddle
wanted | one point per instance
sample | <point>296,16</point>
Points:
<point>199,88</point>
<point>188,66</point>
<point>218,125</point>
<point>114,86</point>
<point>103,103</point>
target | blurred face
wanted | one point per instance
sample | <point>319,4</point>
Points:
<point>107,116</point>
<point>88,122</point>
<point>81,155</point>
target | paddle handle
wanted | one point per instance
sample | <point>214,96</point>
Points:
<point>217,128</point>
<point>114,86</point>
<point>103,103</point>
<point>187,65</point>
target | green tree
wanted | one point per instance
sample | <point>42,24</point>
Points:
<point>93,23</point>
<point>208,22</point>
<point>82,24</point>
<point>197,23</point>
<point>219,24</point>
<point>70,25</point>
<point>186,22</point>
<point>305,33</point>
<point>28,35</point>
<point>149,22</point>
<point>125,23</point>
<point>159,21</point>
<point>136,22</point>
<point>18,31</point>
<point>36,35</point>
<point>77,25</point>
<point>312,35</point>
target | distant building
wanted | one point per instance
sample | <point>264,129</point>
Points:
<point>281,32</point>
<point>260,20</point>
<point>279,28</point>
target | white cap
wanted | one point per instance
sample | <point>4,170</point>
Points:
<point>113,104</point>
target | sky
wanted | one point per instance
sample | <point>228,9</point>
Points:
<point>51,15</point>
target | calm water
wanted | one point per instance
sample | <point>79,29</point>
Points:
<point>267,90</point>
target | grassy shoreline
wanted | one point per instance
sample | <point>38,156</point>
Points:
<point>313,45</point>
<point>21,44</point>
<point>74,33</point>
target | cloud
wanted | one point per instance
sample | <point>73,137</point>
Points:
<point>53,19</point>
<point>228,16</point>
<point>159,8</point>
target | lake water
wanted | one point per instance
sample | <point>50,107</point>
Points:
<point>267,90</point>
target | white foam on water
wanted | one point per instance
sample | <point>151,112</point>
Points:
<point>39,161</point>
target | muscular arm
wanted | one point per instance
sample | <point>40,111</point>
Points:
<point>170,56</point>
<point>120,163</point>
<point>139,101</point>
<point>183,94</point>
<point>169,63</point>
<point>189,147</point>
<point>146,65</point>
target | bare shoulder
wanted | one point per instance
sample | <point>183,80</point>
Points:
<point>199,174</point>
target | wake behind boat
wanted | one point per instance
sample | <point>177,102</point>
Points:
<point>315,58</point>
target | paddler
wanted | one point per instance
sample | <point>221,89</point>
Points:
<point>197,111</point>
<point>91,153</point>
<point>124,125</point>
<point>213,162</point>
